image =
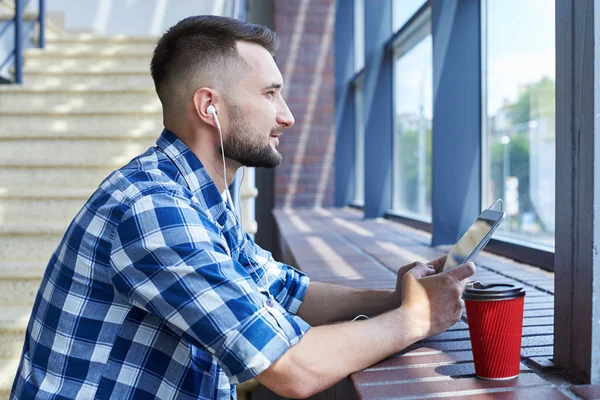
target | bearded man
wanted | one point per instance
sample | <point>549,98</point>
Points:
<point>155,291</point>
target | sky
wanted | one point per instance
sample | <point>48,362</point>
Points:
<point>520,50</point>
<point>521,46</point>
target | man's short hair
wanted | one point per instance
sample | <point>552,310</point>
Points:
<point>202,49</point>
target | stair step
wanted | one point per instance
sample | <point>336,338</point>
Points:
<point>37,229</point>
<point>30,193</point>
<point>14,319</point>
<point>15,99</point>
<point>27,210</point>
<point>8,369</point>
<point>100,69</point>
<point>81,81</point>
<point>41,204</point>
<point>41,177</point>
<point>22,271</point>
<point>73,153</point>
<point>119,62</point>
<point>99,48</point>
<point>29,242</point>
<point>81,125</point>
<point>93,38</point>
<point>87,51</point>
<point>18,292</point>
<point>13,323</point>
<point>11,345</point>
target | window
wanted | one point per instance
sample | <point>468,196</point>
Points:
<point>519,124</point>
<point>412,120</point>
<point>359,143</point>
<point>402,10</point>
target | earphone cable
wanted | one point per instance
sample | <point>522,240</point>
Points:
<point>230,200</point>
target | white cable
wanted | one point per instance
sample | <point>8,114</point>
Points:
<point>227,194</point>
<point>492,207</point>
<point>211,110</point>
<point>358,316</point>
<point>239,195</point>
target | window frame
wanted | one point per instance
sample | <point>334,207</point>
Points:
<point>357,83</point>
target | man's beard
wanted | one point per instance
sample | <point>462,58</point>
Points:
<point>244,144</point>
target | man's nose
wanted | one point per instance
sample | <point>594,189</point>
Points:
<point>285,117</point>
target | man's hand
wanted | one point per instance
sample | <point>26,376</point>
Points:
<point>434,301</point>
<point>420,270</point>
<point>430,304</point>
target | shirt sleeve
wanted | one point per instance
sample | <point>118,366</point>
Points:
<point>171,260</point>
<point>288,285</point>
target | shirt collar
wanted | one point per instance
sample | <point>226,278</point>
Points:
<point>193,172</point>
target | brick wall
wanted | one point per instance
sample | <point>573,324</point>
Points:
<point>305,58</point>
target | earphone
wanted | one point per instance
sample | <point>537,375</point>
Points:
<point>212,111</point>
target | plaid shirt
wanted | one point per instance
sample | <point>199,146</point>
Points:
<point>151,293</point>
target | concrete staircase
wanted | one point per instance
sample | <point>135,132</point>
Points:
<point>87,107</point>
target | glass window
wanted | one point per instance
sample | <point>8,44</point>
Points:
<point>402,10</point>
<point>359,143</point>
<point>519,152</point>
<point>359,34</point>
<point>412,123</point>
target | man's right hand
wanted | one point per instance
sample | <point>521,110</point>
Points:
<point>434,302</point>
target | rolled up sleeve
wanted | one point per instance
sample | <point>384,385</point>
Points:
<point>289,286</point>
<point>170,259</point>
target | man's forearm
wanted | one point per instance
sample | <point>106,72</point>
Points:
<point>327,354</point>
<point>326,303</point>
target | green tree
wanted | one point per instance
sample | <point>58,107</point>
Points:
<point>536,101</point>
<point>519,167</point>
<point>409,166</point>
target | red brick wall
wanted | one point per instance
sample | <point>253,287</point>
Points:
<point>305,58</point>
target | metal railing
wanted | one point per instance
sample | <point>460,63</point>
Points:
<point>16,53</point>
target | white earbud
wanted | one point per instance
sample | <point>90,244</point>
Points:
<point>211,110</point>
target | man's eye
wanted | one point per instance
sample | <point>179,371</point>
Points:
<point>270,93</point>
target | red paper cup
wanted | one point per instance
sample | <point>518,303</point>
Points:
<point>495,318</point>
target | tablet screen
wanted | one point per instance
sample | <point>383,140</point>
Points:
<point>468,243</point>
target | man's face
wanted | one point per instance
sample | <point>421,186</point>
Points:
<point>256,111</point>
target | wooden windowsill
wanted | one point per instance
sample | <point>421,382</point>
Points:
<point>340,246</point>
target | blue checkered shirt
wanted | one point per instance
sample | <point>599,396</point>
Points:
<point>152,293</point>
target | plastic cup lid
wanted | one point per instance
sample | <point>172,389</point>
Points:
<point>494,291</point>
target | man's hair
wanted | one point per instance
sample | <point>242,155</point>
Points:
<point>202,49</point>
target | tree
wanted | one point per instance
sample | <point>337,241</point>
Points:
<point>536,101</point>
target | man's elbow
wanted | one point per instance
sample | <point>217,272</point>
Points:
<point>291,389</point>
<point>289,381</point>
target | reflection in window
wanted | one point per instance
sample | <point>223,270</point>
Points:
<point>359,34</point>
<point>412,126</point>
<point>403,10</point>
<point>359,143</point>
<point>520,125</point>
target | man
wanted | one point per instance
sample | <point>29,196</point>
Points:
<point>155,292</point>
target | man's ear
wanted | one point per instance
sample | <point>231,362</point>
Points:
<point>203,98</point>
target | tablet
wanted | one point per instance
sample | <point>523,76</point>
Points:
<point>474,240</point>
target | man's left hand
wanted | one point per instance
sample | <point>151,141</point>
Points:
<point>418,269</point>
